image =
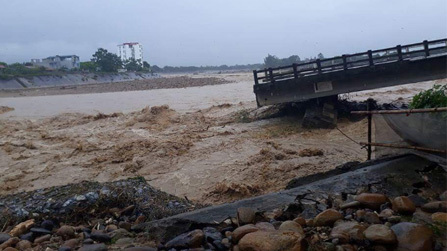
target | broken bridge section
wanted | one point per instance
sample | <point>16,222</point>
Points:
<point>403,64</point>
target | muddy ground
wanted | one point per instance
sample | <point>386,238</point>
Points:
<point>214,155</point>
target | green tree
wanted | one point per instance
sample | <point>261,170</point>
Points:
<point>271,61</point>
<point>89,66</point>
<point>146,65</point>
<point>106,61</point>
<point>133,65</point>
<point>320,55</point>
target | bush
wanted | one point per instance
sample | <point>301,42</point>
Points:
<point>431,98</point>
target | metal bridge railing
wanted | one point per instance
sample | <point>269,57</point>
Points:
<point>351,61</point>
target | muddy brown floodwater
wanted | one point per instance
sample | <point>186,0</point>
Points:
<point>210,144</point>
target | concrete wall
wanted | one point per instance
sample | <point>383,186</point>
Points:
<point>72,79</point>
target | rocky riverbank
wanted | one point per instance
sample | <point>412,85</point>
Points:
<point>396,204</point>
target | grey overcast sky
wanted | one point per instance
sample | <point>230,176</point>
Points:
<point>214,32</point>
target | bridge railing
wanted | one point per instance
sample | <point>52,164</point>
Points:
<point>351,61</point>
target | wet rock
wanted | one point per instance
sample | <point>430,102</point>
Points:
<point>94,247</point>
<point>127,210</point>
<point>140,249</point>
<point>4,237</point>
<point>212,234</point>
<point>72,243</point>
<point>380,234</point>
<point>193,239</point>
<point>10,249</point>
<point>245,215</point>
<point>88,241</point>
<point>100,237</point>
<point>394,219</point>
<point>371,200</point>
<point>417,200</point>
<point>413,237</point>
<point>443,196</point>
<point>140,219</point>
<point>239,232</point>
<point>66,232</point>
<point>10,242</point>
<point>47,224</point>
<point>272,241</point>
<point>301,221</point>
<point>386,213</point>
<point>125,225</point>
<point>372,218</point>
<point>439,217</point>
<point>124,241</point>
<point>23,244</point>
<point>346,231</point>
<point>350,204</point>
<point>265,226</point>
<point>422,217</point>
<point>111,228</point>
<point>28,236</point>
<point>360,215</point>
<point>22,228</point>
<point>62,248</point>
<point>40,231</point>
<point>327,217</point>
<point>403,205</point>
<point>43,238</point>
<point>291,226</point>
<point>120,233</point>
<point>435,206</point>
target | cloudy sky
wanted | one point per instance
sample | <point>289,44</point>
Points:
<point>214,32</point>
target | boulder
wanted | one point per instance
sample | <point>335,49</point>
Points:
<point>386,213</point>
<point>239,232</point>
<point>21,228</point>
<point>265,226</point>
<point>193,239</point>
<point>371,200</point>
<point>291,226</point>
<point>346,231</point>
<point>66,232</point>
<point>380,234</point>
<point>4,237</point>
<point>94,247</point>
<point>372,218</point>
<point>23,245</point>
<point>435,206</point>
<point>272,241</point>
<point>327,217</point>
<point>245,215</point>
<point>10,242</point>
<point>439,217</point>
<point>443,196</point>
<point>413,237</point>
<point>43,238</point>
<point>403,205</point>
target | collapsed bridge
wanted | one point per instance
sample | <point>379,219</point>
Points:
<point>403,64</point>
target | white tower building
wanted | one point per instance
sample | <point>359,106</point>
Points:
<point>127,51</point>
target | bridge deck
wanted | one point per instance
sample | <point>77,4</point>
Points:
<point>356,72</point>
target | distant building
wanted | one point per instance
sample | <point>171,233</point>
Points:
<point>127,51</point>
<point>57,62</point>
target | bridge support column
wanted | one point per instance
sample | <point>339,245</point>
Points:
<point>321,113</point>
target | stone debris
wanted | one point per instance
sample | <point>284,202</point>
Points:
<point>365,218</point>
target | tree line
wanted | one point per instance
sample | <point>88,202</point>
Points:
<point>104,61</point>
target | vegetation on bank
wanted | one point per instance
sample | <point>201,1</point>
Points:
<point>103,61</point>
<point>431,98</point>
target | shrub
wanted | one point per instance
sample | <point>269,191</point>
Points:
<point>431,98</point>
